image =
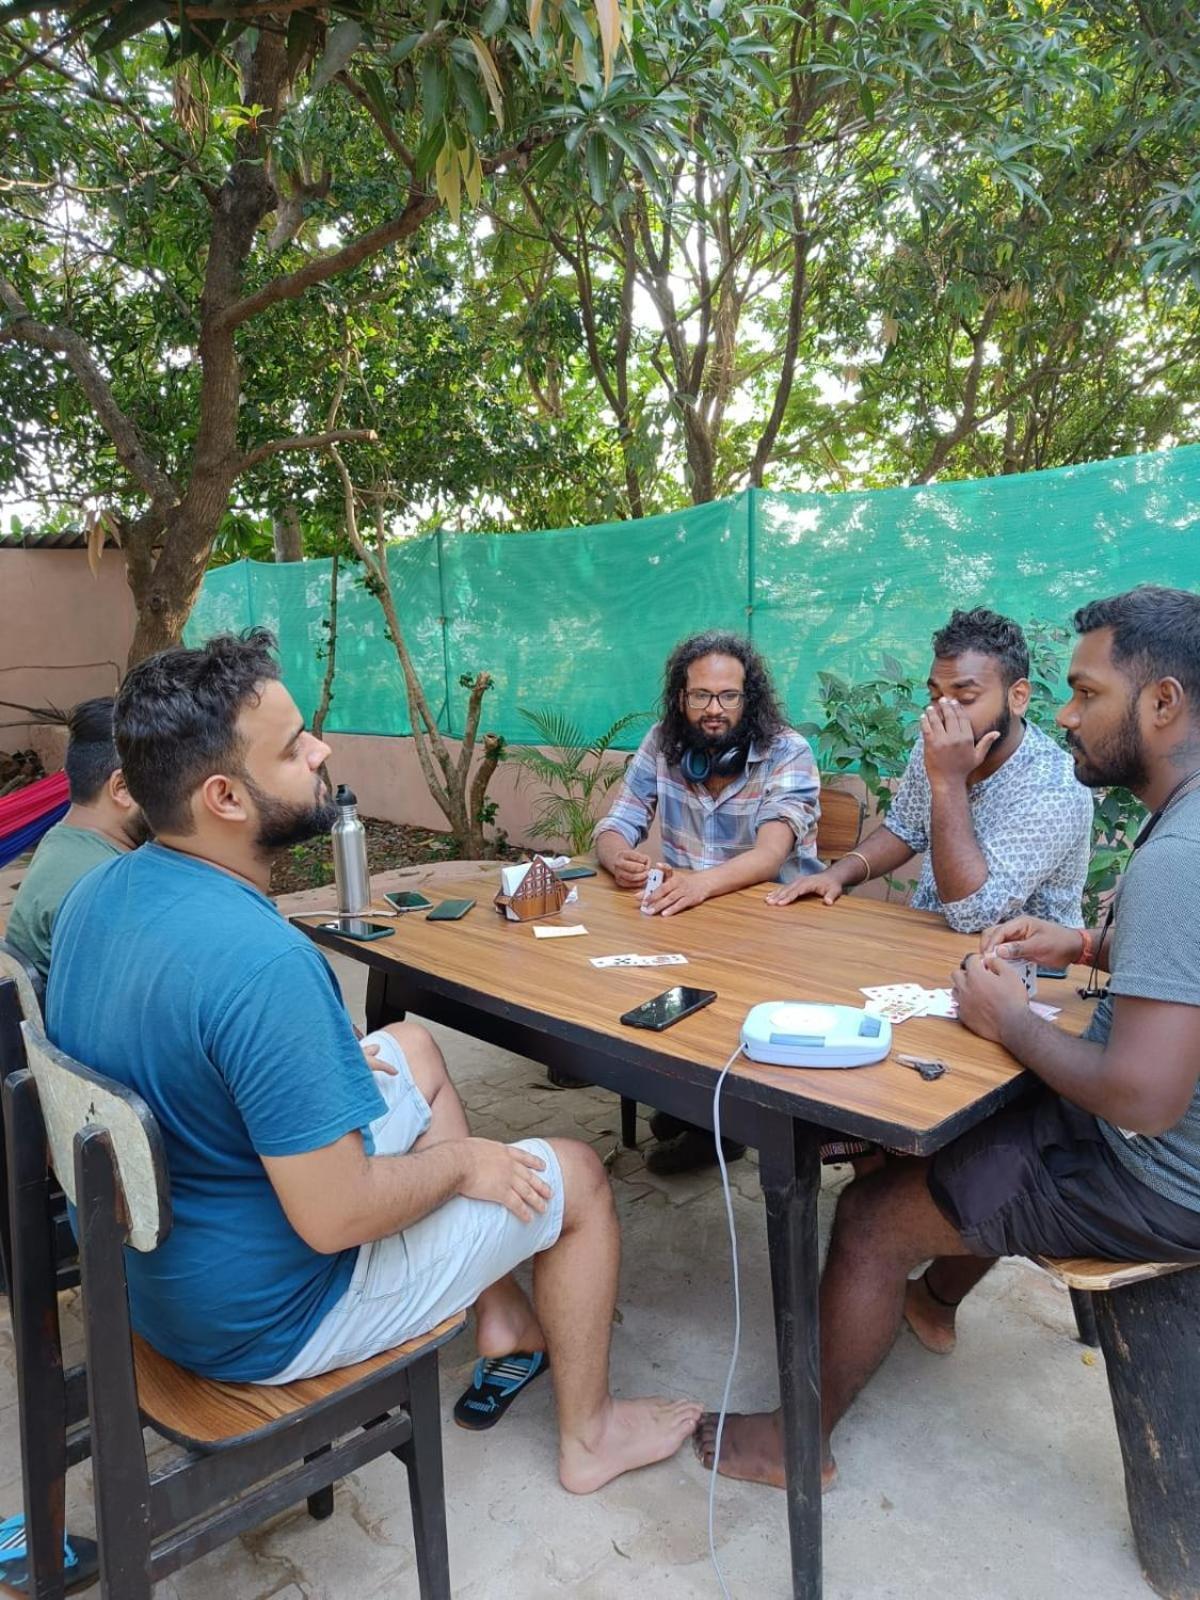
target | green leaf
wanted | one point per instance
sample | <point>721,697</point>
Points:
<point>132,19</point>
<point>597,168</point>
<point>301,32</point>
<point>340,46</point>
<point>434,86</point>
<point>493,17</point>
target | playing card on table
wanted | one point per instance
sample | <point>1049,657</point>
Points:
<point>940,1003</point>
<point>1041,1010</point>
<point>895,1001</point>
<point>634,960</point>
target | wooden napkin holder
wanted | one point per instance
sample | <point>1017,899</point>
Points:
<point>540,893</point>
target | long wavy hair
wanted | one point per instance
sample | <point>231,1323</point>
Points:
<point>762,718</point>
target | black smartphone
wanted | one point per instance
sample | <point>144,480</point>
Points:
<point>450,911</point>
<point>1052,972</point>
<point>408,900</point>
<point>567,873</point>
<point>669,1007</point>
<point>358,928</point>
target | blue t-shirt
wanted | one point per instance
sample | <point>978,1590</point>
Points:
<point>186,984</point>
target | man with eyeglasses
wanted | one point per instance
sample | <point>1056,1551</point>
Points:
<point>736,794</point>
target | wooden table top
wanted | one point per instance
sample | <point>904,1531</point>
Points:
<point>748,952</point>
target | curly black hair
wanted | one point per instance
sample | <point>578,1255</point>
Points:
<point>988,634</point>
<point>176,715</point>
<point>762,717</point>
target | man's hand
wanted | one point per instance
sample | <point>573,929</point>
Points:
<point>504,1174</point>
<point>1047,944</point>
<point>951,753</point>
<point>631,869</point>
<point>829,888</point>
<point>375,1061</point>
<point>680,892</point>
<point>989,992</point>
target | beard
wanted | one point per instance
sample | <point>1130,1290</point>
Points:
<point>136,829</point>
<point>282,824</point>
<point>710,744</point>
<point>1002,726</point>
<point>1118,762</point>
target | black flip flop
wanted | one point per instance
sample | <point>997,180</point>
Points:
<point>495,1385</point>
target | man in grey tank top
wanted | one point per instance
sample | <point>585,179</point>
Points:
<point>1105,1159</point>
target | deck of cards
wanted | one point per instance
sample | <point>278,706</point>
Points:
<point>639,961</point>
<point>900,1001</point>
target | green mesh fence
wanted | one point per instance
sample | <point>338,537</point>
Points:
<point>582,618</point>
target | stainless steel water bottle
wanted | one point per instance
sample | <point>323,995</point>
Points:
<point>350,873</point>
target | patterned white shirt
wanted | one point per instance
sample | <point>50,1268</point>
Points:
<point>1033,822</point>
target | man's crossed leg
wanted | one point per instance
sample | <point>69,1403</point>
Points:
<point>561,1212</point>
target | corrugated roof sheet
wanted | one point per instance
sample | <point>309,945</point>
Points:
<point>63,539</point>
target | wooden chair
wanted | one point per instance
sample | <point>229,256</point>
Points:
<point>840,825</point>
<point>14,969</point>
<point>839,828</point>
<point>1147,1321</point>
<point>248,1450</point>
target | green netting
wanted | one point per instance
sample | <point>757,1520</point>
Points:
<point>581,619</point>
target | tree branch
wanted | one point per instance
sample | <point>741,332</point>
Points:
<point>305,441</point>
<point>22,327</point>
<point>389,135</point>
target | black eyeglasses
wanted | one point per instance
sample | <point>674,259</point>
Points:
<point>701,699</point>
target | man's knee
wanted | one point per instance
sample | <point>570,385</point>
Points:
<point>885,1214</point>
<point>586,1188</point>
<point>424,1057</point>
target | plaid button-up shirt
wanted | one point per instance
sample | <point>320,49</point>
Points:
<point>779,784</point>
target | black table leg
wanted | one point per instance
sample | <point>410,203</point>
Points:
<point>378,1011</point>
<point>790,1170</point>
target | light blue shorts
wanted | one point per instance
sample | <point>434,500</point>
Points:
<point>409,1282</point>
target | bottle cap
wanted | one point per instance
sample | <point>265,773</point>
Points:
<point>344,796</point>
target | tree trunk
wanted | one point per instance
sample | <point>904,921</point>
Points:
<point>287,536</point>
<point>322,711</point>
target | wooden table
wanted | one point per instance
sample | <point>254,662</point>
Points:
<point>542,998</point>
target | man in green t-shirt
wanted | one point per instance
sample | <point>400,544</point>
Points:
<point>103,821</point>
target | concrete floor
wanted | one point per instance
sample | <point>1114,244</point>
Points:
<point>993,1474</point>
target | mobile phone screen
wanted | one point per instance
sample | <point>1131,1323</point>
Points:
<point>669,1007</point>
<point>408,900</point>
<point>450,911</point>
<point>358,928</point>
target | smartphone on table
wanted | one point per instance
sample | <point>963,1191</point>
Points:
<point>450,911</point>
<point>408,900</point>
<point>669,1007</point>
<point>358,928</point>
<point>565,874</point>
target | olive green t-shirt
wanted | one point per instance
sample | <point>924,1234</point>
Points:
<point>59,862</point>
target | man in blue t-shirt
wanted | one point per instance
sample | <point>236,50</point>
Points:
<point>323,1211</point>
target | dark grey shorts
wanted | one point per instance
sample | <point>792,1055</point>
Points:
<point>1040,1180</point>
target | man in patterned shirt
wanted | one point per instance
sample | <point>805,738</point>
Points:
<point>991,800</point>
<point>736,793</point>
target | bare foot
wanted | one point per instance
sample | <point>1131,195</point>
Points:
<point>751,1448</point>
<point>631,1433</point>
<point>932,1323</point>
<point>505,1321</point>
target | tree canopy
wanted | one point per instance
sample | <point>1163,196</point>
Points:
<point>566,261</point>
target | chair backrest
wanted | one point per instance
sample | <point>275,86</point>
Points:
<point>27,979</point>
<point>72,1098</point>
<point>839,827</point>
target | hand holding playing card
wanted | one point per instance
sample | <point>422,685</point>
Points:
<point>989,992</point>
<point>680,892</point>
<point>951,750</point>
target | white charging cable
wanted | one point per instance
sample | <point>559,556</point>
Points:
<point>737,1323</point>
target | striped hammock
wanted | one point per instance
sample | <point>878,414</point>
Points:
<point>29,813</point>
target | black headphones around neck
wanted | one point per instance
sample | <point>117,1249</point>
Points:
<point>699,765</point>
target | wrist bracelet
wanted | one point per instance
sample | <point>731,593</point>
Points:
<point>865,863</point>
